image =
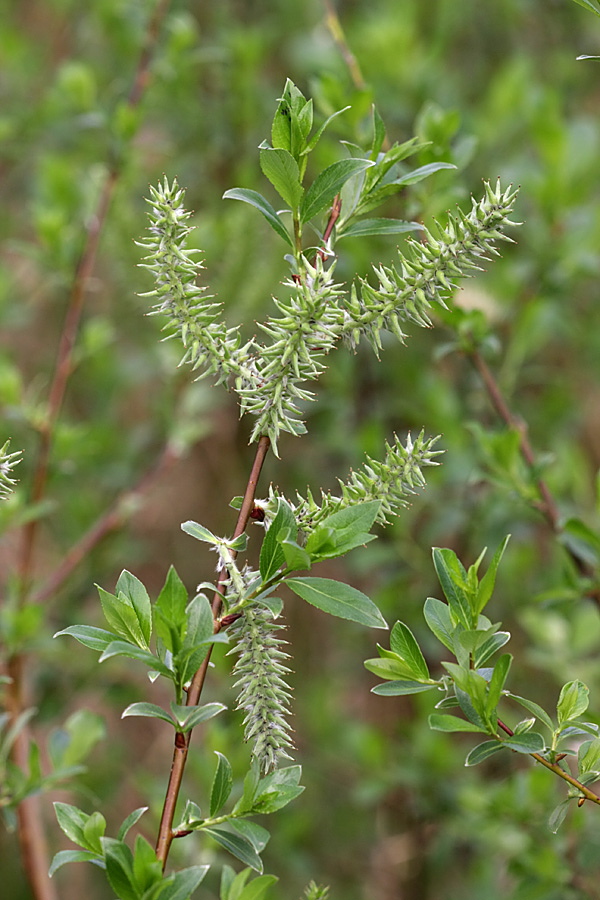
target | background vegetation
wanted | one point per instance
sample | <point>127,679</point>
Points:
<point>389,810</point>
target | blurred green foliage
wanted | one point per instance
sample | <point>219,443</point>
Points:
<point>389,810</point>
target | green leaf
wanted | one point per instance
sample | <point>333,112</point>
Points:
<point>93,830</point>
<point>318,134</point>
<point>123,648</point>
<point>221,786</point>
<point>72,821</point>
<point>94,638</point>
<point>438,618</point>
<point>365,227</point>
<point>272,554</point>
<point>343,531</point>
<point>497,681</point>
<point>573,701</point>
<point>400,688</point>
<point>451,576</point>
<point>482,752</point>
<point>486,585</point>
<point>137,595</point>
<point>490,646</point>
<point>391,668</point>
<point>258,887</point>
<point>327,184</point>
<point>451,723</point>
<point>68,856</point>
<point>170,611</point>
<point>120,615</point>
<point>258,836</point>
<point>251,782</point>
<point>353,521</point>
<point>378,133</point>
<point>130,821</point>
<point>280,167</point>
<point>589,4</point>
<point>198,637</point>
<point>259,202</point>
<point>147,870</point>
<point>295,556</point>
<point>338,599</point>
<point>78,736</point>
<point>403,643</point>
<point>200,532</point>
<point>119,868</point>
<point>151,710</point>
<point>183,883</point>
<point>277,790</point>
<point>237,845</point>
<point>422,172</point>
<point>534,708</point>
<point>472,700</point>
<point>190,716</point>
<point>557,816</point>
<point>530,742</point>
<point>589,757</point>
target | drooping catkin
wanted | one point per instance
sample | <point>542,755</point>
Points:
<point>264,694</point>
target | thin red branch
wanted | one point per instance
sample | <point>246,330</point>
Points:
<point>547,504</point>
<point>123,507</point>
<point>30,827</point>
<point>182,743</point>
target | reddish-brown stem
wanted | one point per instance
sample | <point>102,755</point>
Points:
<point>182,742</point>
<point>554,767</point>
<point>30,826</point>
<point>547,504</point>
<point>83,272</point>
<point>123,507</point>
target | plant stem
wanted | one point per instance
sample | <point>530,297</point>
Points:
<point>182,742</point>
<point>32,841</point>
<point>547,505</point>
<point>83,272</point>
<point>123,507</point>
<point>554,767</point>
<point>337,32</point>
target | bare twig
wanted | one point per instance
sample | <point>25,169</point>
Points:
<point>30,827</point>
<point>547,504</point>
<point>337,33</point>
<point>114,517</point>
<point>182,742</point>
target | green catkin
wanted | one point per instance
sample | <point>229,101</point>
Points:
<point>271,378</point>
<point>264,694</point>
<point>7,463</point>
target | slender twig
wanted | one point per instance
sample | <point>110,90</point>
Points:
<point>123,507</point>
<point>337,32</point>
<point>547,504</point>
<point>83,272</point>
<point>182,742</point>
<point>30,826</point>
<point>554,767</point>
